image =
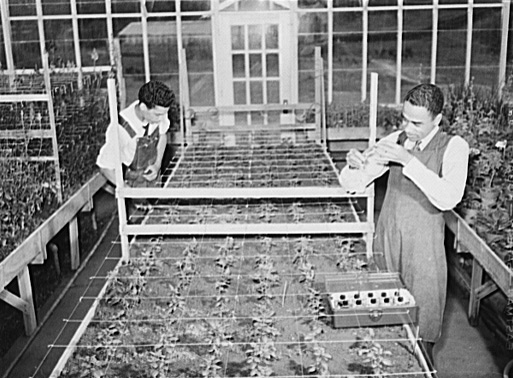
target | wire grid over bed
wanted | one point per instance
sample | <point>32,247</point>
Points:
<point>226,272</point>
<point>238,289</point>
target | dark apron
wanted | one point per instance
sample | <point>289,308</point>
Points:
<point>145,155</point>
<point>410,233</point>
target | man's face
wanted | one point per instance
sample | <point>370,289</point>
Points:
<point>417,121</point>
<point>155,114</point>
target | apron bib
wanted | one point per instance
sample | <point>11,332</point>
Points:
<point>410,234</point>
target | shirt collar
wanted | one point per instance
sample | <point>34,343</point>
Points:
<point>424,141</point>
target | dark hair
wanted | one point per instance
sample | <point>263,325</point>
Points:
<point>155,93</point>
<point>428,96</point>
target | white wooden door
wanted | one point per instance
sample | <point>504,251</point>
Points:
<point>256,66</point>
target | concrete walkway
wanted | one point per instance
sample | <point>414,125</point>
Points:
<point>464,351</point>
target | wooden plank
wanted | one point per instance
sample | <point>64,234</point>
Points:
<point>29,315</point>
<point>235,192</point>
<point>74,244</point>
<point>475,283</point>
<point>249,229</point>
<point>22,134</point>
<point>214,127</point>
<point>228,193</point>
<point>349,133</point>
<point>487,258</point>
<point>13,300</point>
<point>252,107</point>
<point>27,252</point>
<point>26,97</point>
<point>19,258</point>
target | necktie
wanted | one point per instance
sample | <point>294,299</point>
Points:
<point>146,129</point>
<point>416,147</point>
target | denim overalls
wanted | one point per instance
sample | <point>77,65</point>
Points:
<point>145,155</point>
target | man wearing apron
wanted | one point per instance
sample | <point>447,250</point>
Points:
<point>142,136</point>
<point>428,172</point>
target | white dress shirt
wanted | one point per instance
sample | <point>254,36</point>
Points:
<point>443,192</point>
<point>107,157</point>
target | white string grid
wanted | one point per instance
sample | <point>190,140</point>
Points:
<point>243,306</point>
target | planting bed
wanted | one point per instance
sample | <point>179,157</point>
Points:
<point>184,307</point>
<point>238,305</point>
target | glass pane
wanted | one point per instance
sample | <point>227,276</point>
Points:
<point>256,92</point>
<point>451,47</point>
<point>130,41</point>
<point>383,51</point>
<point>162,47</point>
<point>94,44</point>
<point>416,54</point>
<point>126,6</point>
<point>25,44</point>
<point>257,118</point>
<point>272,65</point>
<point>273,92</point>
<point>192,5</point>
<point>255,65</point>
<point>255,36</point>
<point>238,66</point>
<point>239,93</point>
<point>273,117</point>
<point>346,3</point>
<point>241,118</point>
<point>347,22</point>
<point>486,42</point>
<point>59,42</point>
<point>22,7</point>
<point>56,7</point>
<point>312,3</point>
<point>162,6</point>
<point>90,7</point>
<point>378,3</point>
<point>237,37</point>
<point>201,89</point>
<point>347,86</point>
<point>271,37</point>
<point>199,53</point>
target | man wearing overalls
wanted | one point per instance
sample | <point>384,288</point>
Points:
<point>142,128</point>
<point>428,172</point>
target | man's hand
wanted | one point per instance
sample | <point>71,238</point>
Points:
<point>151,172</point>
<point>355,159</point>
<point>391,151</point>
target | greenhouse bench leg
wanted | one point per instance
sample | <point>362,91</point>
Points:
<point>24,302</point>
<point>478,291</point>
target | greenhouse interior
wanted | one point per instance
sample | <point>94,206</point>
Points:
<point>256,188</point>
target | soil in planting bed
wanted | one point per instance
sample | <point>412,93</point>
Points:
<point>237,211</point>
<point>234,307</point>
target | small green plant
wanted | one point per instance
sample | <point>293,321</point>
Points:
<point>372,354</point>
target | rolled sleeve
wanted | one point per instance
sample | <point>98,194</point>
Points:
<point>444,192</point>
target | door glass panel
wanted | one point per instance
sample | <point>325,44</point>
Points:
<point>273,92</point>
<point>255,37</point>
<point>239,93</point>
<point>241,118</point>
<point>273,117</point>
<point>237,37</point>
<point>238,65</point>
<point>272,65</point>
<point>271,37</point>
<point>255,65</point>
<point>256,92</point>
<point>257,118</point>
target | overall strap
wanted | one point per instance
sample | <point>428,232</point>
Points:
<point>124,124</point>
